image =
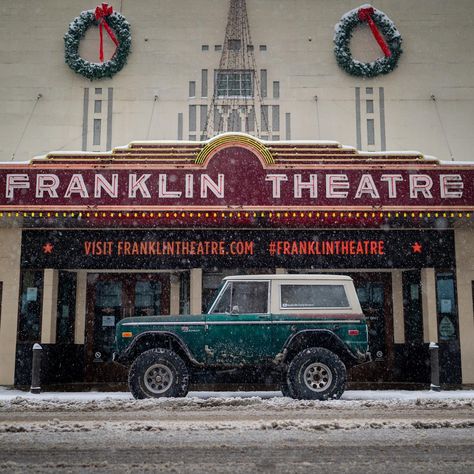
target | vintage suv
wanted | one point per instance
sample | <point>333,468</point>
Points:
<point>305,329</point>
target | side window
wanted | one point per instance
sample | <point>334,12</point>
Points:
<point>313,296</point>
<point>223,305</point>
<point>244,297</point>
<point>250,297</point>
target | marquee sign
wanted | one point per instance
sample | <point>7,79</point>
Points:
<point>204,248</point>
<point>236,176</point>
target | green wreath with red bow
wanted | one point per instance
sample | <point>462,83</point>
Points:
<point>385,33</point>
<point>118,29</point>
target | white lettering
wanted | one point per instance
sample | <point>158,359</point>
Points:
<point>312,185</point>
<point>336,184</point>
<point>101,183</point>
<point>276,179</point>
<point>189,183</point>
<point>139,184</point>
<point>420,183</point>
<point>47,183</point>
<point>391,180</point>
<point>16,181</point>
<point>451,185</point>
<point>208,183</point>
<point>367,186</point>
<point>76,185</point>
<point>162,188</point>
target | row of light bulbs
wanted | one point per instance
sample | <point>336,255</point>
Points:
<point>238,215</point>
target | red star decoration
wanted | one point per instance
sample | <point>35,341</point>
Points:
<point>417,247</point>
<point>48,248</point>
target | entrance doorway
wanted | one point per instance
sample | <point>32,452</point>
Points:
<point>375,295</point>
<point>110,298</point>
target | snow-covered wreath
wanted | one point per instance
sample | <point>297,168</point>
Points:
<point>385,33</point>
<point>117,28</point>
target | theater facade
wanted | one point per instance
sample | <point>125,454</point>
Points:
<point>152,227</point>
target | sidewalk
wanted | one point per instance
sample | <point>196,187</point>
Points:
<point>350,395</point>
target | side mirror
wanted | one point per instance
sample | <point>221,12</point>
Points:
<point>235,310</point>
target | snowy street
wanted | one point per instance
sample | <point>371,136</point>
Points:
<point>397,431</point>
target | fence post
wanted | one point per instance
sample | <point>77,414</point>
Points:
<point>36,369</point>
<point>434,362</point>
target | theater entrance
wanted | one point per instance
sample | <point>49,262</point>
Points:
<point>375,295</point>
<point>110,298</point>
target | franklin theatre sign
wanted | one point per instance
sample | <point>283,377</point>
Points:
<point>236,178</point>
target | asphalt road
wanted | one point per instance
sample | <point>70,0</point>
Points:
<point>238,437</point>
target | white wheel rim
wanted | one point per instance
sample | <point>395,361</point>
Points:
<point>317,377</point>
<point>158,378</point>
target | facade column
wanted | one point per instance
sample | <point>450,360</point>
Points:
<point>10,277</point>
<point>174,293</point>
<point>195,295</point>
<point>81,308</point>
<point>397,304</point>
<point>428,300</point>
<point>50,306</point>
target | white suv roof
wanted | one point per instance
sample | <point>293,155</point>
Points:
<point>286,276</point>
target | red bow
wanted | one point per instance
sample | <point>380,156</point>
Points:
<point>100,13</point>
<point>365,14</point>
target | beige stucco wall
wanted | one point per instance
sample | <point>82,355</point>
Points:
<point>10,277</point>
<point>464,241</point>
<point>167,54</point>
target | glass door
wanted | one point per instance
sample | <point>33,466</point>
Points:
<point>110,298</point>
<point>375,295</point>
<point>108,310</point>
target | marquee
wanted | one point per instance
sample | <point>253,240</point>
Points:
<point>233,174</point>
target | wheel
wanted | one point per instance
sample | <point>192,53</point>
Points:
<point>317,374</point>
<point>158,373</point>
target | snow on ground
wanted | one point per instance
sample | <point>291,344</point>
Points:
<point>15,400</point>
<point>7,394</point>
<point>242,412</point>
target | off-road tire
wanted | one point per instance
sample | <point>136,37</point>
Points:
<point>316,373</point>
<point>158,373</point>
<point>285,388</point>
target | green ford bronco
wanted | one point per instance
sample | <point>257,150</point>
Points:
<point>302,330</point>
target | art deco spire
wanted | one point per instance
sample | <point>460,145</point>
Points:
<point>236,101</point>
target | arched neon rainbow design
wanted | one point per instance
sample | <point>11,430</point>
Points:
<point>228,140</point>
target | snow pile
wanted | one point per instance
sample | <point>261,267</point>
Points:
<point>267,401</point>
<point>57,426</point>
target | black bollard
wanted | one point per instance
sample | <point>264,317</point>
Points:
<point>434,361</point>
<point>36,369</point>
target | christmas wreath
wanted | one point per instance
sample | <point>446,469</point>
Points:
<point>385,33</point>
<point>117,28</point>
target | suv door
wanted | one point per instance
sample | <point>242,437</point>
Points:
<point>239,325</point>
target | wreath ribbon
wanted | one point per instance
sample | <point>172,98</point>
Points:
<point>101,12</point>
<point>365,14</point>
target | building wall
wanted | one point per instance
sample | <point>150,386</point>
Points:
<point>465,281</point>
<point>146,99</point>
<point>10,278</point>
